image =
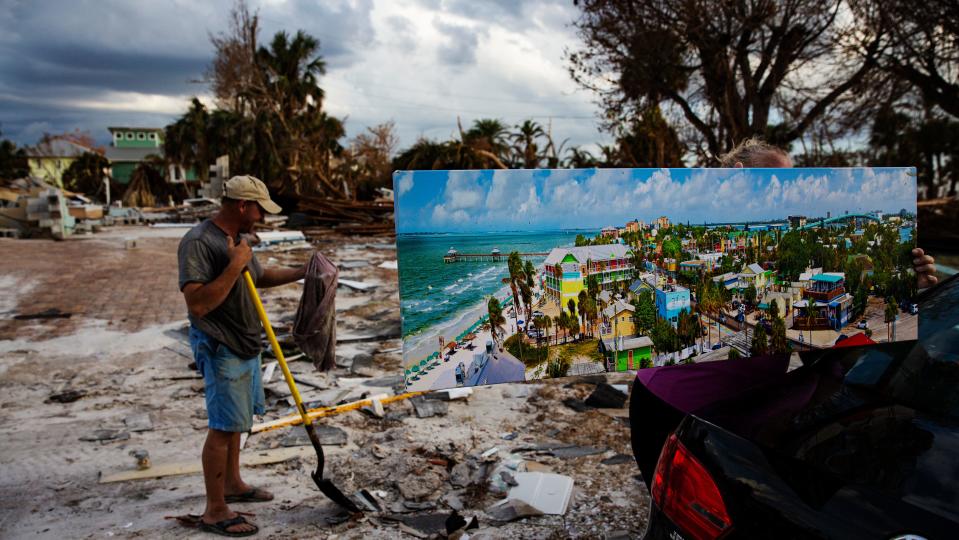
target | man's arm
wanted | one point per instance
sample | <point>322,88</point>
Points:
<point>273,277</point>
<point>202,298</point>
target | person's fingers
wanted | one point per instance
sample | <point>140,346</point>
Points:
<point>926,269</point>
<point>923,260</point>
<point>932,279</point>
<point>918,252</point>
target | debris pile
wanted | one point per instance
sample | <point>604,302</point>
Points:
<point>488,462</point>
<point>347,217</point>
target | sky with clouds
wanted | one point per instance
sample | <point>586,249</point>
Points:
<point>509,200</point>
<point>89,64</point>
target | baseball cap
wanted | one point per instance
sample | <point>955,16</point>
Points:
<point>250,188</point>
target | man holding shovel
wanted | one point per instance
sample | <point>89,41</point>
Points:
<point>225,338</point>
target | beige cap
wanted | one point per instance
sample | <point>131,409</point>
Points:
<point>250,188</point>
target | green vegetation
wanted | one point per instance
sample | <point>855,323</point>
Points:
<point>530,355</point>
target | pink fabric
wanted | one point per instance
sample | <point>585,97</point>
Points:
<point>314,329</point>
<point>691,387</point>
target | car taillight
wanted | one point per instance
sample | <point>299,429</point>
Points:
<point>686,493</point>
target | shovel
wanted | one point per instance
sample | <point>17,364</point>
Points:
<point>325,485</point>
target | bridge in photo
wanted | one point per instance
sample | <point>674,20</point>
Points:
<point>812,224</point>
<point>782,224</point>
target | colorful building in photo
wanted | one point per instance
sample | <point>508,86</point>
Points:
<point>568,268</point>
<point>626,353</point>
<point>618,320</point>
<point>670,300</point>
<point>756,275</point>
<point>825,303</point>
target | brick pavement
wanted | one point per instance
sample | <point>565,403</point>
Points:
<point>91,278</point>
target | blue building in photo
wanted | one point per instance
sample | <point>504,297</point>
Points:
<point>670,300</point>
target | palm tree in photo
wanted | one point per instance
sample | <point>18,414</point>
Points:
<point>891,312</point>
<point>514,265</point>
<point>571,304</point>
<point>562,323</point>
<point>497,321</point>
<point>543,324</point>
<point>527,294</point>
<point>581,302</point>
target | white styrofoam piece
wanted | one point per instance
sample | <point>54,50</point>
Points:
<point>358,285</point>
<point>276,237</point>
<point>459,393</point>
<point>547,492</point>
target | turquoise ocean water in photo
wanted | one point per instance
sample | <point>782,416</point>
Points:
<point>434,294</point>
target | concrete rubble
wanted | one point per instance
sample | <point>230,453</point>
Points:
<point>106,393</point>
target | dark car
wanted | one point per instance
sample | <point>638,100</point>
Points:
<point>856,442</point>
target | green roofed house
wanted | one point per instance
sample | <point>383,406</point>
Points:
<point>133,145</point>
<point>568,268</point>
<point>625,353</point>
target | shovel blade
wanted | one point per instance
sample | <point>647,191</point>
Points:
<point>333,493</point>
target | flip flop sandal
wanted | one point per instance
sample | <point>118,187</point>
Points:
<point>252,496</point>
<point>221,527</point>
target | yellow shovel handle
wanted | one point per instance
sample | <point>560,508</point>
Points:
<point>277,351</point>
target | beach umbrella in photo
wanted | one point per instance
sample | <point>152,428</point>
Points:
<point>414,369</point>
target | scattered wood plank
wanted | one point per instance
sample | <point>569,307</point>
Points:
<point>248,458</point>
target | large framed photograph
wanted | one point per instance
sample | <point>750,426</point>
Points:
<point>514,275</point>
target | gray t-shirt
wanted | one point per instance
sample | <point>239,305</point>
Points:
<point>202,258</point>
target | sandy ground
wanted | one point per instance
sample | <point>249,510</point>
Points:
<point>125,348</point>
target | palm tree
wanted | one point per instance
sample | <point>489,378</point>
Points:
<point>187,143</point>
<point>543,323</point>
<point>529,270</point>
<point>515,266</point>
<point>892,311</point>
<point>487,139</point>
<point>527,294</point>
<point>571,304</point>
<point>289,108</point>
<point>524,143</point>
<point>581,302</point>
<point>562,322</point>
<point>496,319</point>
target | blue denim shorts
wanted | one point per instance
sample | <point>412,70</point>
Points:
<point>234,385</point>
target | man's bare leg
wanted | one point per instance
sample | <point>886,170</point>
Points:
<point>234,483</point>
<point>215,459</point>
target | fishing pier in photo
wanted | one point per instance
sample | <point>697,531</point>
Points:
<point>453,256</point>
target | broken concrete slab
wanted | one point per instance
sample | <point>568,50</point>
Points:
<point>352,264</point>
<point>577,405</point>
<point>571,452</point>
<point>511,510</point>
<point>67,396</point>
<point>618,459</point>
<point>426,409</point>
<point>560,449</point>
<point>426,485</point>
<point>390,381</point>
<point>105,435</point>
<point>138,422</point>
<point>362,364</point>
<point>605,396</point>
<point>548,493</point>
<point>328,435</point>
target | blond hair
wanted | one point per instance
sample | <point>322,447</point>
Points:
<point>754,153</point>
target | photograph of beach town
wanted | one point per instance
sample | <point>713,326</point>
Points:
<point>513,275</point>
